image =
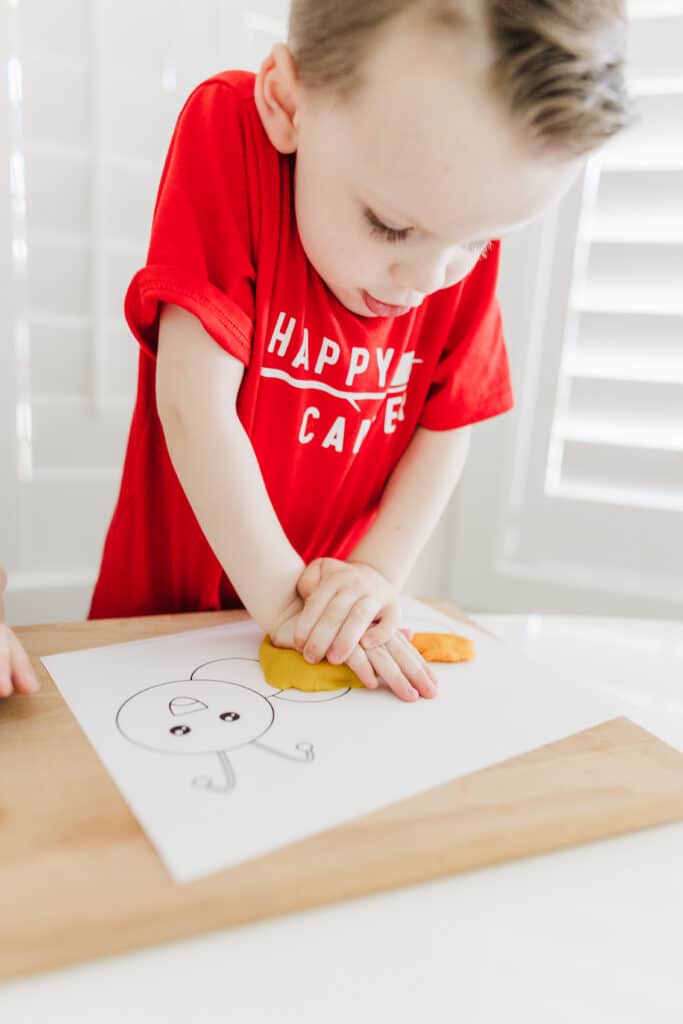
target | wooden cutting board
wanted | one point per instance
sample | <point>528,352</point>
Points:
<point>78,878</point>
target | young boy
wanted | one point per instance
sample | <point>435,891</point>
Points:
<point>16,674</point>
<point>317,315</point>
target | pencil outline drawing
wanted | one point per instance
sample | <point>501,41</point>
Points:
<point>256,705</point>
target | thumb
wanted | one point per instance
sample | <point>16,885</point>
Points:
<point>309,579</point>
<point>384,629</point>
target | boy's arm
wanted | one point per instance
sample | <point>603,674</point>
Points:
<point>196,385</point>
<point>414,498</point>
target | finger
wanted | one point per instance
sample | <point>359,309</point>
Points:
<point>414,667</point>
<point>309,579</point>
<point>23,676</point>
<point>420,658</point>
<point>328,625</point>
<point>389,622</point>
<point>386,667</point>
<point>283,635</point>
<point>359,663</point>
<point>359,617</point>
<point>312,610</point>
<point>5,681</point>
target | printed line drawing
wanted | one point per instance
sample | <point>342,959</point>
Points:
<point>212,712</point>
<point>399,383</point>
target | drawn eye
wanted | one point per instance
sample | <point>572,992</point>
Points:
<point>229,716</point>
<point>180,730</point>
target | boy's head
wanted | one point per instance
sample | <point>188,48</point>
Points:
<point>425,128</point>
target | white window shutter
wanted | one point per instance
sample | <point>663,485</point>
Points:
<point>588,511</point>
<point>87,107</point>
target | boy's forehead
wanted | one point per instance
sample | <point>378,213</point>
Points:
<point>448,165</point>
<point>426,140</point>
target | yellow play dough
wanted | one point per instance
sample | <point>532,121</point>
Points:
<point>285,669</point>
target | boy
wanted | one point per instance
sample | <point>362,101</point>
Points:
<point>16,674</point>
<point>317,316</point>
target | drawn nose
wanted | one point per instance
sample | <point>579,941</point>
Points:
<point>186,705</point>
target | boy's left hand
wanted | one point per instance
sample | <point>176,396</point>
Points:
<point>16,673</point>
<point>342,600</point>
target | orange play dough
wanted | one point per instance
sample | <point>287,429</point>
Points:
<point>443,646</point>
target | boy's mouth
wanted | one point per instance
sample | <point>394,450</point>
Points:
<point>383,308</point>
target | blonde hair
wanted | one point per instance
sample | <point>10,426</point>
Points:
<point>557,64</point>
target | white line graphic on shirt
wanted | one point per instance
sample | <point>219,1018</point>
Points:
<point>350,396</point>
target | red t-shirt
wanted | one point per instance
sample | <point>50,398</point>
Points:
<point>329,399</point>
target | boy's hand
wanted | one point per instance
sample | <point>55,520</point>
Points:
<point>342,600</point>
<point>396,662</point>
<point>282,635</point>
<point>15,668</point>
<point>402,668</point>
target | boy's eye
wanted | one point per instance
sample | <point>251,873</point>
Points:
<point>383,230</point>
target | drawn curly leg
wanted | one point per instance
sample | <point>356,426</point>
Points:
<point>307,751</point>
<point>228,783</point>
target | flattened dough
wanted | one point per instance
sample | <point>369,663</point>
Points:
<point>285,669</point>
<point>443,646</point>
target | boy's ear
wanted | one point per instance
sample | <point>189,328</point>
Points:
<point>276,94</point>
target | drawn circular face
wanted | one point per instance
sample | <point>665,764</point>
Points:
<point>197,716</point>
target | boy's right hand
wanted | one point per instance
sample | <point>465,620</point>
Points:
<point>15,668</point>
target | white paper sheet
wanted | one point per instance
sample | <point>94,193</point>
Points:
<point>218,766</point>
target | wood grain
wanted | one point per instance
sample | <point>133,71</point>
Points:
<point>78,878</point>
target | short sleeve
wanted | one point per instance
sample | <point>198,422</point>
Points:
<point>200,253</point>
<point>471,381</point>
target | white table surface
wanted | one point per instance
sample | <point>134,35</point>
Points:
<point>592,934</point>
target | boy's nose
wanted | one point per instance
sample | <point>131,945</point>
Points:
<point>422,277</point>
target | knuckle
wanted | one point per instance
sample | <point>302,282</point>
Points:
<point>364,607</point>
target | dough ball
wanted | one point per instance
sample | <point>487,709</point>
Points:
<point>443,646</point>
<point>285,669</point>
